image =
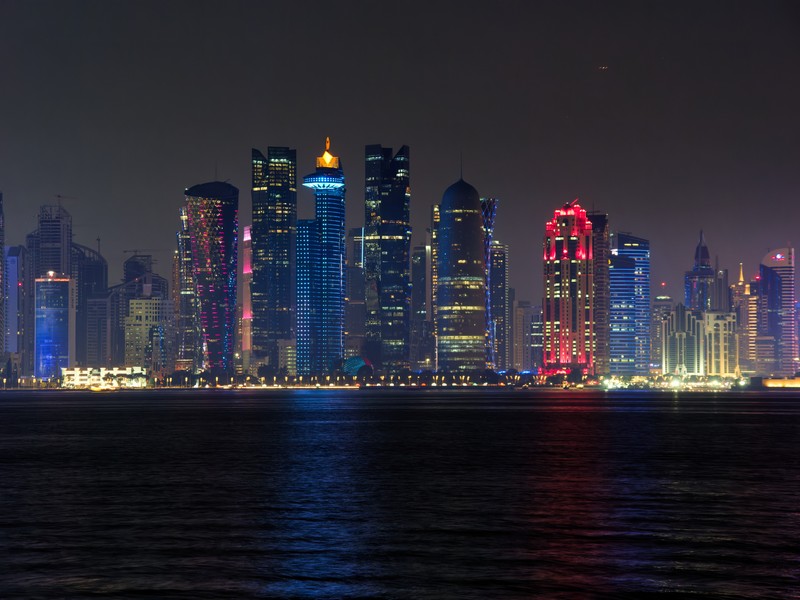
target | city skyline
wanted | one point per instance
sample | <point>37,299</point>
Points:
<point>671,130</point>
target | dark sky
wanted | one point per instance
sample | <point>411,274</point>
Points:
<point>695,124</point>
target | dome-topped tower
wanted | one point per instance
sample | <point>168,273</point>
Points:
<point>461,314</point>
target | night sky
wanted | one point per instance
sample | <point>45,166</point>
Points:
<point>695,123</point>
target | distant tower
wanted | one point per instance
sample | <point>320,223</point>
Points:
<point>662,307</point>
<point>273,233</point>
<point>54,329</point>
<point>246,308</point>
<point>188,344</point>
<point>568,290</point>
<point>461,274</point>
<point>699,283</point>
<point>212,214</point>
<point>500,307</point>
<point>488,213</point>
<point>777,283</point>
<point>387,249</point>
<point>630,306</point>
<point>744,297</point>
<point>325,244</point>
<point>601,249</point>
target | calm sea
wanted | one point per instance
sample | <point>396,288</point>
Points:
<point>456,494</point>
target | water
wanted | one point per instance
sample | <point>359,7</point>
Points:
<point>432,495</point>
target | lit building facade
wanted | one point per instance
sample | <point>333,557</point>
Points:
<point>245,334</point>
<point>16,328</point>
<point>461,278</point>
<point>569,291</point>
<point>212,216</point>
<point>489,213</point>
<point>146,343</point>
<point>777,282</point>
<point>601,254</point>
<point>744,299</point>
<point>188,345</point>
<point>422,345</point>
<point>54,329</point>
<point>320,348</point>
<point>274,230</point>
<point>387,250</point>
<point>721,344</point>
<point>683,338</point>
<point>499,305</point>
<point>522,335</point>
<point>700,282</point>
<point>629,284</point>
<point>355,315</point>
<point>662,306</point>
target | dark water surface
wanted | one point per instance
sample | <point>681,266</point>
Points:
<point>433,495</point>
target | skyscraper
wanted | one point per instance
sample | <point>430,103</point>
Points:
<point>662,307</point>
<point>355,314</point>
<point>568,291</point>
<point>54,329</point>
<point>601,252</point>
<point>274,229</point>
<point>499,304</point>
<point>700,282</point>
<point>3,285</point>
<point>744,298</point>
<point>422,344</point>
<point>777,279</point>
<point>461,273</point>
<point>488,213</point>
<point>212,216</point>
<point>326,246</point>
<point>17,330</point>
<point>188,345</point>
<point>630,306</point>
<point>387,249</point>
<point>245,310</point>
<point>683,339</point>
<point>522,335</point>
<point>90,273</point>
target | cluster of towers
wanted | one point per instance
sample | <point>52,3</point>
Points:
<point>599,317</point>
<point>306,297</point>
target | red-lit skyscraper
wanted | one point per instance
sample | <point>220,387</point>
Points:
<point>568,290</point>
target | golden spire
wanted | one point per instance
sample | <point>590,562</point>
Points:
<point>741,273</point>
<point>328,160</point>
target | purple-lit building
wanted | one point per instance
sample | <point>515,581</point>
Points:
<point>212,218</point>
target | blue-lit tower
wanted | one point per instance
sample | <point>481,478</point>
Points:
<point>54,325</point>
<point>324,238</point>
<point>629,313</point>
<point>699,282</point>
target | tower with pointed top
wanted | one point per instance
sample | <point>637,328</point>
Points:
<point>320,271</point>
<point>700,281</point>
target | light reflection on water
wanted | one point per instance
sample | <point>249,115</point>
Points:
<point>362,494</point>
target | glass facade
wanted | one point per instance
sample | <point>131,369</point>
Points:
<point>212,216</point>
<point>601,252</point>
<point>387,249</point>
<point>188,355</point>
<point>488,214</point>
<point>461,277</point>
<point>274,230</point>
<point>699,283</point>
<point>54,327</point>
<point>629,284</point>
<point>324,238</point>
<point>499,304</point>
<point>777,317</point>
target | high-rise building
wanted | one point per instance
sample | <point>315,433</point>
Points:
<point>601,252</point>
<point>387,250</point>
<point>569,291</point>
<point>212,216</point>
<point>777,283</point>
<point>537,337</point>
<point>744,301</point>
<point>499,304</point>
<point>245,334</point>
<point>320,347</point>
<point>434,282</point>
<point>522,335</point>
<point>90,273</point>
<point>488,213</point>
<point>188,345</point>
<point>422,346</point>
<point>146,341</point>
<point>274,230</point>
<point>629,284</point>
<point>662,307</point>
<point>3,284</point>
<point>683,338</point>
<point>700,282</point>
<point>461,294</point>
<point>54,329</point>
<point>721,344</point>
<point>17,330</point>
<point>355,314</point>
